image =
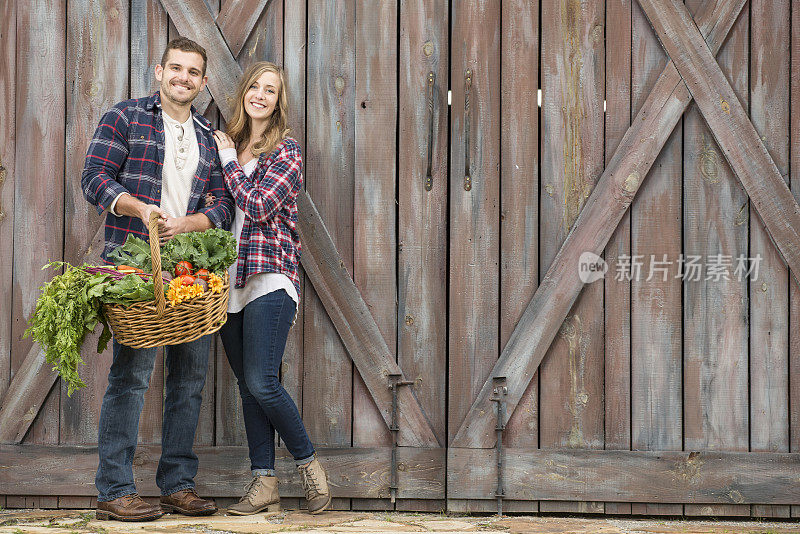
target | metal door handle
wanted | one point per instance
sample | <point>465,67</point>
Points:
<point>467,87</point>
<point>429,173</point>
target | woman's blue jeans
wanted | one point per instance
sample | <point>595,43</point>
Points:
<point>128,380</point>
<point>254,341</point>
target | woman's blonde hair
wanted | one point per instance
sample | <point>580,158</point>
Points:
<point>277,130</point>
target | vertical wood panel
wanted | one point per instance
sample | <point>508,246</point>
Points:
<point>148,38</point>
<point>327,387</point>
<point>422,247</point>
<point>97,78</point>
<point>374,258</point>
<point>617,290</point>
<point>656,408</point>
<point>294,63</point>
<point>8,134</point>
<point>573,79</point>
<point>794,302</point>
<point>39,193</point>
<point>770,332</point>
<point>519,215</point>
<point>715,311</point>
<point>205,434</point>
<point>770,357</point>
<point>474,213</point>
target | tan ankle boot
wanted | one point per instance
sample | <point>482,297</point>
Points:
<point>261,494</point>
<point>315,484</point>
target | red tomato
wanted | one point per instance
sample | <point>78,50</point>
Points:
<point>202,273</point>
<point>183,268</point>
<point>187,280</point>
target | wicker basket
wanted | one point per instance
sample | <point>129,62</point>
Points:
<point>153,324</point>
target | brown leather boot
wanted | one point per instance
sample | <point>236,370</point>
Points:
<point>261,494</point>
<point>187,502</point>
<point>315,484</point>
<point>128,508</point>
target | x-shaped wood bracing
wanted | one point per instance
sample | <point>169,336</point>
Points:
<point>692,71</point>
<point>322,263</point>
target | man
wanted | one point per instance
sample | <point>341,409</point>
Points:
<point>155,155</point>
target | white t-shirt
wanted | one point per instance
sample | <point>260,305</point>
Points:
<point>181,158</point>
<point>258,284</point>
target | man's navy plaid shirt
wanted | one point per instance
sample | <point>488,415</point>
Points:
<point>269,241</point>
<point>126,156</point>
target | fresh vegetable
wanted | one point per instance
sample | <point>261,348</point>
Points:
<point>134,252</point>
<point>67,310</point>
<point>166,276</point>
<point>214,250</point>
<point>183,268</point>
<point>128,269</point>
<point>202,273</point>
<point>202,283</point>
<point>187,280</point>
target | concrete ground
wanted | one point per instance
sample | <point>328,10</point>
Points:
<point>83,521</point>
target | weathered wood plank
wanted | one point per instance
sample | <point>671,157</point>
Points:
<point>265,41</point>
<point>730,126</point>
<point>794,290</point>
<point>573,76</point>
<point>97,78</point>
<point>473,315</point>
<point>655,303</point>
<point>603,210</point>
<point>422,219</point>
<point>715,373</point>
<point>617,297</point>
<point>8,134</point>
<point>148,37</point>
<point>356,327</point>
<point>374,217</point>
<point>39,194</point>
<point>628,476</point>
<point>238,18</point>
<point>41,470</point>
<point>519,190</point>
<point>329,176</point>
<point>294,64</point>
<point>769,294</point>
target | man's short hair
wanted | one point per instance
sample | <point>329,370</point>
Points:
<point>184,45</point>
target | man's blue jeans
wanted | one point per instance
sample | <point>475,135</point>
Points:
<point>254,341</point>
<point>128,380</point>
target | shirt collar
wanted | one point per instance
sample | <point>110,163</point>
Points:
<point>154,102</point>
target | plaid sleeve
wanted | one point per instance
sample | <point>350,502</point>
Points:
<point>220,213</point>
<point>281,181</point>
<point>104,159</point>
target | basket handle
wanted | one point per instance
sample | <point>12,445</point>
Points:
<point>155,259</point>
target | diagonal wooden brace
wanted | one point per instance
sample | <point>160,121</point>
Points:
<point>730,125</point>
<point>595,225</point>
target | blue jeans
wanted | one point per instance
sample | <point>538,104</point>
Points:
<point>128,380</point>
<point>254,341</point>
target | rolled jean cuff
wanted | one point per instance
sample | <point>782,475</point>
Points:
<point>263,472</point>
<point>307,459</point>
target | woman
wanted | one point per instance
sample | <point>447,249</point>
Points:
<point>263,171</point>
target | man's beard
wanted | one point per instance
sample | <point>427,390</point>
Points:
<point>168,91</point>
